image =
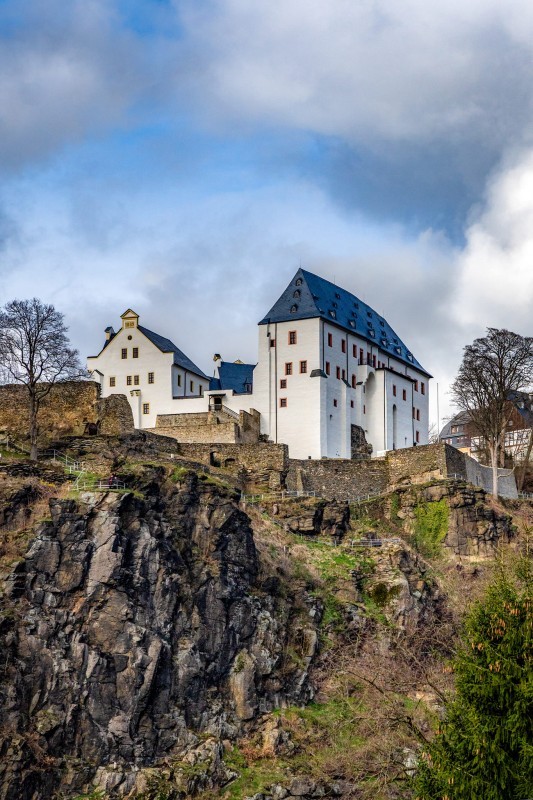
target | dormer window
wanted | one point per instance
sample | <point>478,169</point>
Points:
<point>294,309</point>
<point>333,314</point>
<point>296,294</point>
<point>298,282</point>
<point>337,295</point>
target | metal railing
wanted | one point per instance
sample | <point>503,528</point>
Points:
<point>273,496</point>
<point>70,464</point>
<point>105,485</point>
<point>525,495</point>
<point>375,542</point>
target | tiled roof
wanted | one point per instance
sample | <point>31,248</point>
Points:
<point>309,296</point>
<point>166,346</point>
<point>235,377</point>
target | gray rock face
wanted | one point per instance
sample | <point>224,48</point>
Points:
<point>134,625</point>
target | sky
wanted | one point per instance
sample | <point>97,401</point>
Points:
<point>185,157</point>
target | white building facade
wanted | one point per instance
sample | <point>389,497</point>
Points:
<point>328,364</point>
<point>329,369</point>
<point>154,374</point>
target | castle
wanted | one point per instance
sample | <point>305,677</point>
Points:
<point>331,373</point>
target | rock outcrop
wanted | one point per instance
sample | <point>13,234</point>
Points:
<point>140,630</point>
<point>474,527</point>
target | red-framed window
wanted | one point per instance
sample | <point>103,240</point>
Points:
<point>330,340</point>
<point>283,383</point>
<point>292,337</point>
<point>394,389</point>
<point>417,436</point>
<point>283,402</point>
<point>354,381</point>
<point>328,368</point>
<point>404,394</point>
<point>338,373</point>
<point>354,350</point>
<point>423,387</point>
<point>303,367</point>
<point>343,345</point>
<point>288,368</point>
<point>272,343</point>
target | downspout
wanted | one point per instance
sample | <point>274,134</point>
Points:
<point>412,413</point>
<point>385,410</point>
<point>276,377</point>
<point>185,384</point>
<point>269,338</point>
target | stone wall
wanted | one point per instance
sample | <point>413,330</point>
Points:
<point>263,463</point>
<point>210,427</point>
<point>66,411</point>
<point>340,479</point>
<point>347,479</point>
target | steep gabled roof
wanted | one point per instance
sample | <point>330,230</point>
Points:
<point>233,376</point>
<point>308,296</point>
<point>166,346</point>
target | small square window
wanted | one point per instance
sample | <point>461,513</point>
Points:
<point>283,402</point>
<point>150,377</point>
<point>128,380</point>
<point>135,353</point>
<point>112,381</point>
<point>288,368</point>
<point>272,343</point>
<point>146,408</point>
<point>303,367</point>
<point>292,337</point>
<point>135,380</point>
<point>335,403</point>
<point>283,383</point>
<point>124,352</point>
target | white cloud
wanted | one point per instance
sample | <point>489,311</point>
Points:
<point>365,70</point>
<point>65,71</point>
<point>495,285</point>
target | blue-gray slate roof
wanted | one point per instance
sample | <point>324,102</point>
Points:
<point>234,377</point>
<point>166,346</point>
<point>308,296</point>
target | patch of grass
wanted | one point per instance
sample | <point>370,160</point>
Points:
<point>431,527</point>
<point>254,776</point>
<point>178,474</point>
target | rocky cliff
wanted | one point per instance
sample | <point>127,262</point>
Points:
<point>167,641</point>
<point>140,628</point>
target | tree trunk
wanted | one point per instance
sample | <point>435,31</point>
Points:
<point>494,460</point>
<point>34,430</point>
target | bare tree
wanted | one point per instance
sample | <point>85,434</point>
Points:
<point>492,367</point>
<point>35,351</point>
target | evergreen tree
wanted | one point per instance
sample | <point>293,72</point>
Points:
<point>484,747</point>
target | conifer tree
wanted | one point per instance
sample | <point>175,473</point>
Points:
<point>484,748</point>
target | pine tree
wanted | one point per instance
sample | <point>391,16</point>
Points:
<point>484,748</point>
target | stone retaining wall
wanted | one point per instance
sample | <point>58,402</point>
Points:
<point>66,411</point>
<point>210,427</point>
<point>346,479</point>
<point>262,462</point>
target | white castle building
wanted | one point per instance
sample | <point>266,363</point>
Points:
<point>329,368</point>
